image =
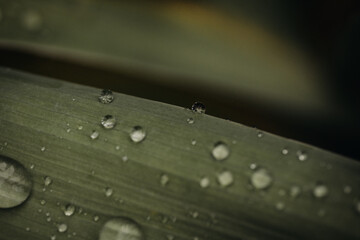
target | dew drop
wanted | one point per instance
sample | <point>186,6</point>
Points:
<point>108,192</point>
<point>108,121</point>
<point>261,179</point>
<point>125,158</point>
<point>225,178</point>
<point>106,96</point>
<point>280,206</point>
<point>204,182</point>
<point>253,166</point>
<point>170,237</point>
<point>164,180</point>
<point>295,191</point>
<point>42,202</point>
<point>68,130</point>
<point>32,166</point>
<point>32,20</point>
<point>15,183</point>
<point>62,227</point>
<point>47,181</point>
<point>48,219</point>
<point>42,149</point>
<point>260,134</point>
<point>137,134</point>
<point>96,218</point>
<point>320,191</point>
<point>94,135</point>
<point>27,229</point>
<point>198,107</point>
<point>53,237</point>
<point>117,147</point>
<point>121,228</point>
<point>284,151</point>
<point>80,127</point>
<point>69,210</point>
<point>347,189</point>
<point>220,151</point>
<point>190,120</point>
<point>301,155</point>
<point>193,142</point>
<point>194,214</point>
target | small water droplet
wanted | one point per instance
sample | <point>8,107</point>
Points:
<point>320,191</point>
<point>32,166</point>
<point>31,20</point>
<point>121,228</point>
<point>194,214</point>
<point>125,158</point>
<point>190,120</point>
<point>284,151</point>
<point>301,155</point>
<point>62,227</point>
<point>42,202</point>
<point>43,149</point>
<point>108,121</point>
<point>15,183</point>
<point>295,191</point>
<point>53,237</point>
<point>117,148</point>
<point>253,166</point>
<point>39,210</point>
<point>27,229</point>
<point>96,218</point>
<point>261,179</point>
<point>47,181</point>
<point>164,180</point>
<point>347,189</point>
<point>220,151</point>
<point>198,107</point>
<point>69,210</point>
<point>170,237</point>
<point>204,182</point>
<point>68,130</point>
<point>260,134</point>
<point>94,135</point>
<point>280,206</point>
<point>5,144</point>
<point>80,127</point>
<point>137,134</point>
<point>225,178</point>
<point>48,219</point>
<point>193,142</point>
<point>106,96</point>
<point>108,192</point>
<point>196,238</point>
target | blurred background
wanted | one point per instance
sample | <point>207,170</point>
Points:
<point>287,67</point>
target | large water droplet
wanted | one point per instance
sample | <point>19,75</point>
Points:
<point>15,183</point>
<point>137,134</point>
<point>62,227</point>
<point>106,96</point>
<point>198,107</point>
<point>261,179</point>
<point>108,121</point>
<point>220,151</point>
<point>32,20</point>
<point>69,210</point>
<point>225,178</point>
<point>320,191</point>
<point>121,229</point>
<point>94,135</point>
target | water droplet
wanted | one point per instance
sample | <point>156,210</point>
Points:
<point>27,229</point>
<point>106,96</point>
<point>196,238</point>
<point>295,191</point>
<point>301,155</point>
<point>164,179</point>
<point>347,189</point>
<point>94,135</point>
<point>198,107</point>
<point>284,151</point>
<point>31,20</point>
<point>5,144</point>
<point>108,121</point>
<point>15,183</point>
<point>53,237</point>
<point>320,191</point>
<point>80,127</point>
<point>121,228</point>
<point>170,237</point>
<point>62,227</point>
<point>260,134</point>
<point>69,210</point>
<point>193,142</point>
<point>261,179</point>
<point>253,166</point>
<point>190,120</point>
<point>204,182</point>
<point>117,148</point>
<point>96,218</point>
<point>321,212</point>
<point>220,151</point>
<point>280,206</point>
<point>68,130</point>
<point>42,202</point>
<point>125,158</point>
<point>225,178</point>
<point>47,181</point>
<point>43,149</point>
<point>194,214</point>
<point>32,166</point>
<point>108,192</point>
<point>48,219</point>
<point>137,134</point>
